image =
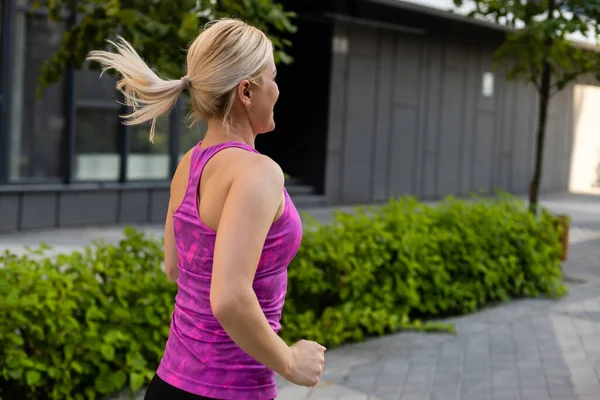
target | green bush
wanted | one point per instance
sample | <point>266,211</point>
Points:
<point>388,267</point>
<point>84,325</point>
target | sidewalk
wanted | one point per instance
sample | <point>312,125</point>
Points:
<point>525,350</point>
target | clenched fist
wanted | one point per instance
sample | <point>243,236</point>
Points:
<point>308,359</point>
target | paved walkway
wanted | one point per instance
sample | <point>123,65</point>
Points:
<point>524,350</point>
<point>527,350</point>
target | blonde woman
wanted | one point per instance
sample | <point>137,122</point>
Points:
<point>231,229</point>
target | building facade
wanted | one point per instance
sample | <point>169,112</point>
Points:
<point>426,114</point>
<point>65,158</point>
<point>385,98</point>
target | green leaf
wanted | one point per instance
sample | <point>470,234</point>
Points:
<point>136,381</point>
<point>77,367</point>
<point>108,351</point>
<point>127,16</point>
<point>118,379</point>
<point>32,377</point>
<point>69,351</point>
<point>189,22</point>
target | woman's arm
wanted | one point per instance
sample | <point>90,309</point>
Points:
<point>251,206</point>
<point>170,248</point>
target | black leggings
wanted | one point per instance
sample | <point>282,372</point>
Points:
<point>161,390</point>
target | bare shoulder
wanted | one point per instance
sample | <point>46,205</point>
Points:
<point>259,171</point>
<point>180,180</point>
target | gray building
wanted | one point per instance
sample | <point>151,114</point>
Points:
<point>385,98</point>
<point>418,110</point>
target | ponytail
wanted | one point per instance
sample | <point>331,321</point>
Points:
<point>225,53</point>
<point>149,96</point>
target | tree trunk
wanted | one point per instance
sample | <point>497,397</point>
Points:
<point>544,93</point>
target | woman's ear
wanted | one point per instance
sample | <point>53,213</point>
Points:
<point>245,93</point>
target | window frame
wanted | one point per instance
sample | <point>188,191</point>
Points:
<point>71,106</point>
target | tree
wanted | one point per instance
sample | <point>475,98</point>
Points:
<point>539,50</point>
<point>160,30</point>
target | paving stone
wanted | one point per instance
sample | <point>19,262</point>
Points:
<point>561,390</point>
<point>389,384</point>
<point>534,392</point>
<point>293,393</point>
<point>415,396</point>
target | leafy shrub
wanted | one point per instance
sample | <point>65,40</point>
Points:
<point>386,268</point>
<point>84,325</point>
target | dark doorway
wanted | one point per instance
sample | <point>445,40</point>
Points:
<point>299,141</point>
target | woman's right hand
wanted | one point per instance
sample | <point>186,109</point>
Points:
<point>308,359</point>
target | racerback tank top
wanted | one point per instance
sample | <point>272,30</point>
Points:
<point>200,358</point>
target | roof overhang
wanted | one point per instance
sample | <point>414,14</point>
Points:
<point>442,9</point>
<point>447,10</point>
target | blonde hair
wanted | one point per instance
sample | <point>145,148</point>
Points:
<point>225,53</point>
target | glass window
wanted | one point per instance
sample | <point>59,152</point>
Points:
<point>1,63</point>
<point>96,145</point>
<point>149,160</point>
<point>97,127</point>
<point>93,86</point>
<point>37,125</point>
<point>190,136</point>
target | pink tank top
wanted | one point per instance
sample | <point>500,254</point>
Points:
<point>200,358</point>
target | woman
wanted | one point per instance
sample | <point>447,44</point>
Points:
<point>231,228</point>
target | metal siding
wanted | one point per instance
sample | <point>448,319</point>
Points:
<point>383,121</point>
<point>418,169</point>
<point>408,117</point>
<point>405,117</point>
<point>507,128</point>
<point>335,132</point>
<point>406,80</point>
<point>9,212</point>
<point>79,208</point>
<point>522,161</point>
<point>482,162</point>
<point>38,210</point>
<point>402,145</point>
<point>472,72</point>
<point>496,156</point>
<point>134,206</point>
<point>432,119</point>
<point>451,127</point>
<point>159,201</point>
<point>360,118</point>
<point>484,133</point>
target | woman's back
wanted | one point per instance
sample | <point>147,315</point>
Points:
<point>231,228</point>
<point>200,355</point>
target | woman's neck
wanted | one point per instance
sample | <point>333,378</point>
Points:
<point>217,134</point>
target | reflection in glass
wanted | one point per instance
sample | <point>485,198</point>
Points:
<point>37,125</point>
<point>190,136</point>
<point>97,155</point>
<point>96,145</point>
<point>149,160</point>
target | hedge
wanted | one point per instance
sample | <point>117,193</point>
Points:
<point>90,323</point>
